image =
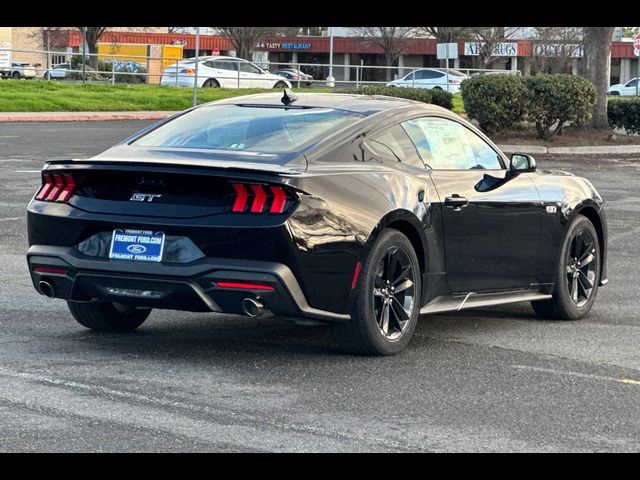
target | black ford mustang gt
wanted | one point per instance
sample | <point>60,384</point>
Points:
<point>361,211</point>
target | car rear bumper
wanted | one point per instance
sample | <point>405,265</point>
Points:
<point>192,286</point>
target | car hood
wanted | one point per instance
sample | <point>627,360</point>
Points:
<point>287,162</point>
<point>617,85</point>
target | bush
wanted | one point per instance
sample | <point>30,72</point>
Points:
<point>495,101</point>
<point>128,68</point>
<point>625,113</point>
<point>435,97</point>
<point>557,99</point>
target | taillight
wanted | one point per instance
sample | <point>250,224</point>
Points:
<point>188,71</point>
<point>56,188</point>
<point>257,198</point>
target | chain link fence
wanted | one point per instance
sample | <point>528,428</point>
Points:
<point>225,72</point>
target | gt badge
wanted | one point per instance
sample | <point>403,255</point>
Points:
<point>144,197</point>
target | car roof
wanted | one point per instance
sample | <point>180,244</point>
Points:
<point>363,104</point>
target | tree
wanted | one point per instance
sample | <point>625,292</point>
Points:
<point>49,39</point>
<point>447,34</point>
<point>555,48</point>
<point>629,32</point>
<point>244,39</point>
<point>392,40</point>
<point>92,36</point>
<point>489,38</point>
<point>597,47</point>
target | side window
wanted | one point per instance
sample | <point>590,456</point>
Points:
<point>409,77</point>
<point>448,145</point>
<point>394,144</point>
<point>632,83</point>
<point>249,68</point>
<point>225,65</point>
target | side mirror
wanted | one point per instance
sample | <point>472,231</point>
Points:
<point>521,162</point>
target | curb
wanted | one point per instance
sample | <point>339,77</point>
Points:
<point>590,150</point>
<point>80,117</point>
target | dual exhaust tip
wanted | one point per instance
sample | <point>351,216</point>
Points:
<point>46,288</point>
<point>253,308</point>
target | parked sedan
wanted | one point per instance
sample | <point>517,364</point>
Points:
<point>294,76</point>
<point>431,78</point>
<point>364,212</point>
<point>627,89</point>
<point>57,71</point>
<point>225,72</point>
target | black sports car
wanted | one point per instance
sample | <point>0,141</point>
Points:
<point>360,211</point>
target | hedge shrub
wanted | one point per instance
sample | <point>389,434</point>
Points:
<point>624,113</point>
<point>557,99</point>
<point>495,101</point>
<point>435,97</point>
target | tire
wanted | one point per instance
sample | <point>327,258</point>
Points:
<point>280,84</point>
<point>437,88</point>
<point>211,83</point>
<point>572,297</point>
<point>16,75</point>
<point>105,317</point>
<point>615,94</point>
<point>364,334</point>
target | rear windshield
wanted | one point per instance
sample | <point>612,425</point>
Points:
<point>248,128</point>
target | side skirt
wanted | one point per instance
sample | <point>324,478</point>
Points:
<point>454,303</point>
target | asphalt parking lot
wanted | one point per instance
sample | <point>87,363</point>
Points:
<point>495,379</point>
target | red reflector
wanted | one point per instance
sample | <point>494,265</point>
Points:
<point>57,188</point>
<point>53,270</point>
<point>356,272</point>
<point>46,188</point>
<point>68,189</point>
<point>241,198</point>
<point>259,200</point>
<point>244,286</point>
<point>279,199</point>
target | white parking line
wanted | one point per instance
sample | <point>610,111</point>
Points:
<point>27,171</point>
<point>10,219</point>
<point>627,381</point>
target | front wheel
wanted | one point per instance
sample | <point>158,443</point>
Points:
<point>211,83</point>
<point>387,299</point>
<point>577,274</point>
<point>108,317</point>
<point>280,85</point>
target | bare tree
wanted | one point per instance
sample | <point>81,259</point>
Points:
<point>49,39</point>
<point>489,38</point>
<point>447,34</point>
<point>244,39</point>
<point>554,48</point>
<point>392,40</point>
<point>91,36</point>
<point>597,47</point>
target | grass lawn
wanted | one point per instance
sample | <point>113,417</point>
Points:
<point>458,105</point>
<point>43,96</point>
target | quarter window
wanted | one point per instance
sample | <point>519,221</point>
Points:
<point>394,144</point>
<point>448,145</point>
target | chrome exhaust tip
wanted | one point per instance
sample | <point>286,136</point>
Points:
<point>46,289</point>
<point>252,307</point>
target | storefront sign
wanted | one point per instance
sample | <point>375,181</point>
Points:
<point>284,46</point>
<point>573,50</point>
<point>636,46</point>
<point>5,54</point>
<point>473,49</point>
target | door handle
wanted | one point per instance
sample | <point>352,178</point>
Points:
<point>456,202</point>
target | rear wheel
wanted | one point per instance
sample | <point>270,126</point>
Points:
<point>387,299</point>
<point>108,317</point>
<point>280,85</point>
<point>577,274</point>
<point>211,83</point>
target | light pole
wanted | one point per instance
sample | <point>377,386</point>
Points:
<point>331,81</point>
<point>84,53</point>
<point>195,83</point>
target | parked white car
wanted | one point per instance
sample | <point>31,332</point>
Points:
<point>627,89</point>
<point>431,78</point>
<point>22,70</point>
<point>57,71</point>
<point>225,72</point>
